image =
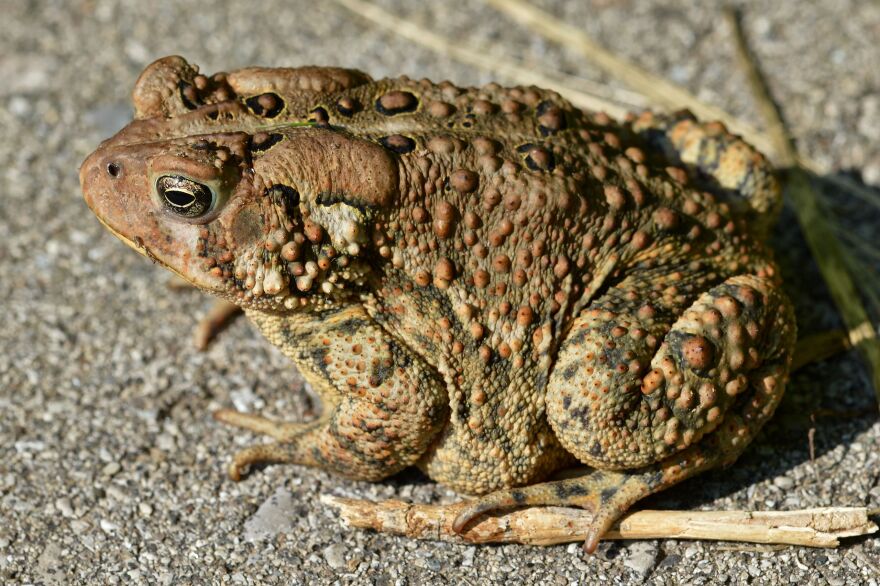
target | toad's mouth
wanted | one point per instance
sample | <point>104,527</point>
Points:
<point>138,245</point>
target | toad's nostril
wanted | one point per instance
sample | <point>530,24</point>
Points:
<point>113,169</point>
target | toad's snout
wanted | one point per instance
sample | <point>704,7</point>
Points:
<point>107,182</point>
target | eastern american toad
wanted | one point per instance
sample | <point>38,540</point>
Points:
<point>486,283</point>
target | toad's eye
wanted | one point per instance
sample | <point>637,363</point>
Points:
<point>184,197</point>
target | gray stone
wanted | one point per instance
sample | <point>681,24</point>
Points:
<point>273,517</point>
<point>641,557</point>
<point>334,555</point>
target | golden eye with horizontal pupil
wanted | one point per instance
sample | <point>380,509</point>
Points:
<point>184,197</point>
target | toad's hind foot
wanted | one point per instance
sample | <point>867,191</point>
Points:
<point>606,494</point>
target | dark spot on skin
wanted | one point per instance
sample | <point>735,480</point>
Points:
<point>349,327</point>
<point>570,371</point>
<point>214,114</point>
<point>582,415</point>
<point>571,488</point>
<point>402,358</point>
<point>283,195</point>
<point>203,246</point>
<point>398,143</point>
<point>543,107</point>
<point>348,107</point>
<point>540,159</point>
<point>596,450</point>
<point>551,118</point>
<point>267,105</point>
<point>607,494</point>
<point>269,140</point>
<point>467,124</point>
<point>186,88</point>
<point>524,148</point>
<point>320,117</point>
<point>518,497</point>
<point>396,102</point>
<point>540,380</point>
<point>317,356</point>
<point>566,403</point>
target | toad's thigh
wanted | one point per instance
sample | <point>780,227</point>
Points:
<point>629,390</point>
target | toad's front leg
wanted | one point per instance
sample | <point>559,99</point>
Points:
<point>382,404</point>
<point>715,379</point>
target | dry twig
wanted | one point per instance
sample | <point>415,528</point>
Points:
<point>551,525</point>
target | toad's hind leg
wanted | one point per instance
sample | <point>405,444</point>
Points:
<point>715,379</point>
<point>383,404</point>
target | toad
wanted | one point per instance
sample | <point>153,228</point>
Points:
<point>486,283</point>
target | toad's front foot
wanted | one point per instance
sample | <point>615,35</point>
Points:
<point>285,449</point>
<point>219,315</point>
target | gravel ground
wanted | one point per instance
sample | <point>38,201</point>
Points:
<point>111,469</point>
